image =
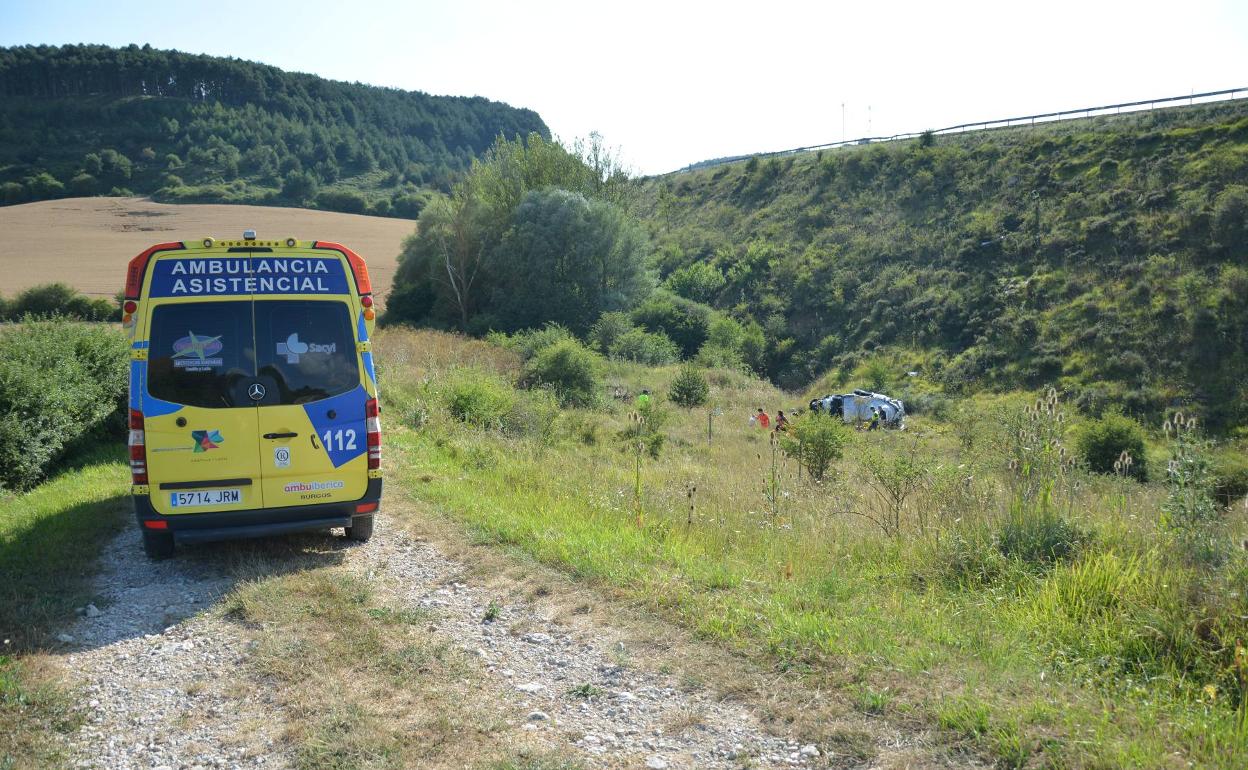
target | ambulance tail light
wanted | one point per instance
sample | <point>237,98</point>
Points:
<point>358,269</point>
<point>138,450</point>
<point>372,413</point>
<point>138,267</point>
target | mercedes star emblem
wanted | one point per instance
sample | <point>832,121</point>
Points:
<point>256,391</point>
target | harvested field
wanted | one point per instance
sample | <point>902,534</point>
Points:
<point>86,242</point>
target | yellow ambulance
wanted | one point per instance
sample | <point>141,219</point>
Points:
<point>253,395</point>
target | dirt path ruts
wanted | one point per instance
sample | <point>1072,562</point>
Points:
<point>165,683</point>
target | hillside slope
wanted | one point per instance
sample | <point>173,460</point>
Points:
<point>87,119</point>
<point>1107,257</point>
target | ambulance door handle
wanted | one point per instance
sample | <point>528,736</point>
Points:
<point>280,435</point>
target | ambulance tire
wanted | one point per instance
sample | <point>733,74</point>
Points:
<point>361,528</point>
<point>158,545</point>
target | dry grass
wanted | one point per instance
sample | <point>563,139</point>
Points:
<point>363,684</point>
<point>86,242</point>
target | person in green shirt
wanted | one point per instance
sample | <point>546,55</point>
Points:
<point>643,398</point>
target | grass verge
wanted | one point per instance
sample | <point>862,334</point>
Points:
<point>50,538</point>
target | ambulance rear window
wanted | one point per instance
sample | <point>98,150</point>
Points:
<point>307,347</point>
<point>200,353</point>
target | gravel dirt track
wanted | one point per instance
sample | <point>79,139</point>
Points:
<point>164,679</point>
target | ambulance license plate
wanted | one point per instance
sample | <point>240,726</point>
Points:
<point>206,497</point>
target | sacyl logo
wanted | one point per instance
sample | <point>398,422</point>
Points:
<point>292,348</point>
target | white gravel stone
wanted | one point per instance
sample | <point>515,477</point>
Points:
<point>140,691</point>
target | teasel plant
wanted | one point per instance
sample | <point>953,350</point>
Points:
<point>1038,458</point>
<point>1125,483</point>
<point>772,492</point>
<point>1190,512</point>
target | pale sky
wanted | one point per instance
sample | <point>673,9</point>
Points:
<point>671,83</point>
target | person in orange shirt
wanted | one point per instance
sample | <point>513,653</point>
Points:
<point>764,421</point>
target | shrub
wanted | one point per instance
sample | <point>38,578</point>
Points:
<point>609,328</point>
<point>58,299</point>
<point>1230,475</point>
<point>690,388</point>
<point>1101,442</point>
<point>644,347</point>
<point>684,321</point>
<point>348,201</point>
<point>570,369</point>
<point>60,382</point>
<point>816,441</point>
<point>479,399</point>
<point>1190,515</point>
<point>718,357</point>
<point>530,342</point>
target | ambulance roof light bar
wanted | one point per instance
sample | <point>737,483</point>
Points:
<point>249,235</point>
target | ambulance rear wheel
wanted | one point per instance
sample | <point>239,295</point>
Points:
<point>361,528</point>
<point>158,545</point>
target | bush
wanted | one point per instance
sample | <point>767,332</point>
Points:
<point>58,299</point>
<point>643,347</point>
<point>609,328</point>
<point>479,399</point>
<point>530,342</point>
<point>646,429</point>
<point>571,370</point>
<point>816,440</point>
<point>687,323</point>
<point>60,383</point>
<point>690,388</point>
<point>347,201</point>
<point>1101,442</point>
<point>1230,475</point>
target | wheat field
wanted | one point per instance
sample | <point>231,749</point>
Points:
<point>86,242</point>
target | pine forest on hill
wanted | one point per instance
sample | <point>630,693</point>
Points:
<point>93,120</point>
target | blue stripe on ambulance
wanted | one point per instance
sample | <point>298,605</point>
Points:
<point>349,403</point>
<point>140,399</point>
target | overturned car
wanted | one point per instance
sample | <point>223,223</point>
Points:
<point>856,407</point>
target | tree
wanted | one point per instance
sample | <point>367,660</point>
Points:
<point>568,259</point>
<point>299,186</point>
<point>690,388</point>
<point>470,243</point>
<point>816,440</point>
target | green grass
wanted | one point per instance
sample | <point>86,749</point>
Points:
<point>50,538</point>
<point>1093,657</point>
